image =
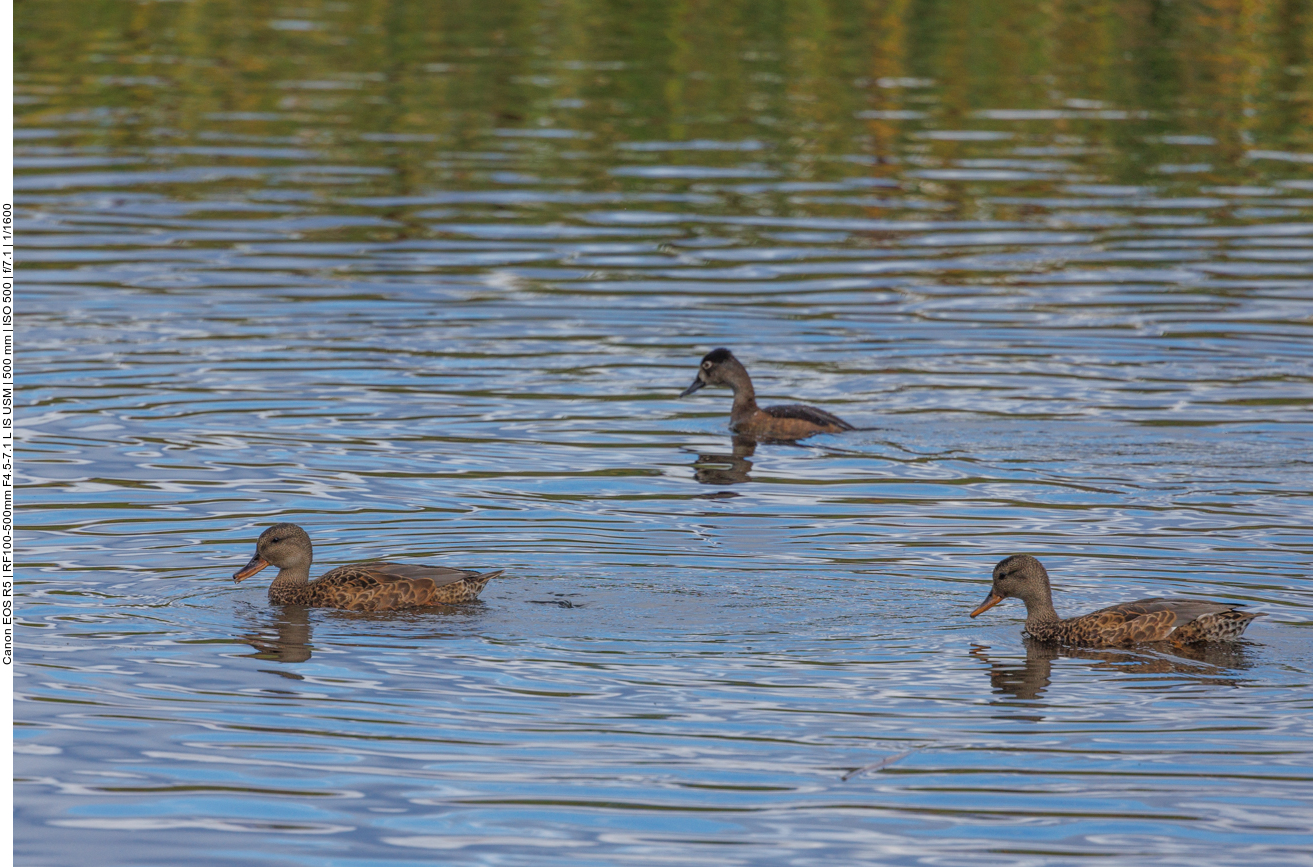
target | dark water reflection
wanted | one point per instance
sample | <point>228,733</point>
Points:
<point>726,469</point>
<point>1217,665</point>
<point>283,634</point>
<point>427,277</point>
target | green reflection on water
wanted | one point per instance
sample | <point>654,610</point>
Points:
<point>1126,92</point>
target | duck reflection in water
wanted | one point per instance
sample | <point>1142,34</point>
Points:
<point>722,469</point>
<point>1212,664</point>
<point>283,635</point>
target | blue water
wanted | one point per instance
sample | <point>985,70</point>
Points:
<point>696,638</point>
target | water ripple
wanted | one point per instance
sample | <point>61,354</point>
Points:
<point>441,310</point>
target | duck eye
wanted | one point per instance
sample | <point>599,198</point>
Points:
<point>275,540</point>
<point>706,365</point>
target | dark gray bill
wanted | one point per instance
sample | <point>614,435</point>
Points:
<point>697,383</point>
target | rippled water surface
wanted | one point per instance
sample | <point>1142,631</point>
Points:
<point>427,279</point>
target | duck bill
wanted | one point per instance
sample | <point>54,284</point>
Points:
<point>257,563</point>
<point>990,601</point>
<point>697,383</point>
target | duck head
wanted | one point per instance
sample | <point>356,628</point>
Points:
<point>286,546</point>
<point>1020,575</point>
<point>719,367</point>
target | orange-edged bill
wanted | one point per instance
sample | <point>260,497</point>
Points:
<point>256,565</point>
<point>990,601</point>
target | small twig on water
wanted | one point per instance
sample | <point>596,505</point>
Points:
<point>880,765</point>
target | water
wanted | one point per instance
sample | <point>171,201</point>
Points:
<point>426,279</point>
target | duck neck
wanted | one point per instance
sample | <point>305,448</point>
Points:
<point>289,576</point>
<point>745,397</point>
<point>1039,608</point>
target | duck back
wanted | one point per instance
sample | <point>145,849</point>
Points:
<point>790,421</point>
<point>382,586</point>
<point>1180,621</point>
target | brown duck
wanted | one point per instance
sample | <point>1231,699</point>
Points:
<point>1179,621</point>
<point>362,587</point>
<point>790,422</point>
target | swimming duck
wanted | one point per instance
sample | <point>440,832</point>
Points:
<point>362,587</point>
<point>1179,621</point>
<point>791,422</point>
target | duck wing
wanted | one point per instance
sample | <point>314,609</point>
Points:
<point>1150,619</point>
<point>438,576</point>
<point>377,586</point>
<point>808,413</point>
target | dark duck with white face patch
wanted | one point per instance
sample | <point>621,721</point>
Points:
<point>789,422</point>
<point>1178,621</point>
<point>363,587</point>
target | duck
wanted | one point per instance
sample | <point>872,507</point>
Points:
<point>1179,621</point>
<point>373,586</point>
<point>793,421</point>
